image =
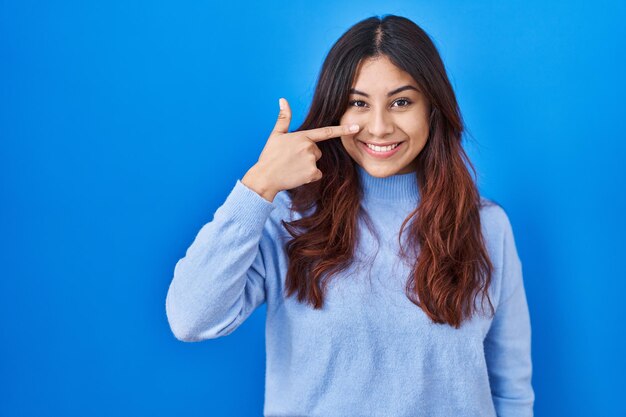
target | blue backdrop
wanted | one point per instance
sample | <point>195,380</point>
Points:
<point>124,125</point>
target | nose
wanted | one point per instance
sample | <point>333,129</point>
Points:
<point>380,123</point>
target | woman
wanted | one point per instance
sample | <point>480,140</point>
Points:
<point>392,287</point>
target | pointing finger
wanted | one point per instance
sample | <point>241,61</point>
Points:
<point>328,132</point>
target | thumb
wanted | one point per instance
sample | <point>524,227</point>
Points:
<point>284,117</point>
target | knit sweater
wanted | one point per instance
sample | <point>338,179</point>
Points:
<point>369,351</point>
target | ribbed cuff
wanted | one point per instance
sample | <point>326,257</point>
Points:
<point>246,208</point>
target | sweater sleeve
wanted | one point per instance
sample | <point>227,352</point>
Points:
<point>221,279</point>
<point>508,341</point>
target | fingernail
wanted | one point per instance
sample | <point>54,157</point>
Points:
<point>280,104</point>
<point>354,128</point>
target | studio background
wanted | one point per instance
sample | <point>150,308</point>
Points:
<point>125,124</point>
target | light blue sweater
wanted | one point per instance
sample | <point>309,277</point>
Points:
<point>370,351</point>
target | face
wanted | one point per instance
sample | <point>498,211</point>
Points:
<point>392,114</point>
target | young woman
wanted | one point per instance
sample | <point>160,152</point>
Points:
<point>392,287</point>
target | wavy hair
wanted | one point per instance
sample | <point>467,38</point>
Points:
<point>451,263</point>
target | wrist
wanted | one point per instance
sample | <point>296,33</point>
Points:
<point>259,184</point>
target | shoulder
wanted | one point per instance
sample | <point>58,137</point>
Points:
<point>500,241</point>
<point>493,217</point>
<point>496,227</point>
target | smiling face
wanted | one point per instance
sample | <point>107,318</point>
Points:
<point>389,107</point>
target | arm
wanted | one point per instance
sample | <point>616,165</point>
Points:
<point>221,279</point>
<point>508,342</point>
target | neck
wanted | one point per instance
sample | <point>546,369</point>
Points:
<point>393,187</point>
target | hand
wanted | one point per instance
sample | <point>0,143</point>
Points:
<point>288,160</point>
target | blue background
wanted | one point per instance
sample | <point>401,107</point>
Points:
<point>124,125</point>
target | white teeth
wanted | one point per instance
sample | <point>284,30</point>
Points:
<point>382,148</point>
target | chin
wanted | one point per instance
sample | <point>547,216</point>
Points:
<point>380,170</point>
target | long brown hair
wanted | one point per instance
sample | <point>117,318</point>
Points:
<point>451,263</point>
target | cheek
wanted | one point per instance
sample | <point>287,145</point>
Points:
<point>348,142</point>
<point>347,119</point>
<point>354,115</point>
<point>417,128</point>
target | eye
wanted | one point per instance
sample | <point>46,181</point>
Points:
<point>408,102</point>
<point>361,103</point>
<point>353,102</point>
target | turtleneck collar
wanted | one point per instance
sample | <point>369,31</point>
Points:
<point>394,187</point>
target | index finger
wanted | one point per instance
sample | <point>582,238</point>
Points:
<point>328,132</point>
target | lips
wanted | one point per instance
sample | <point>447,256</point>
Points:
<point>381,154</point>
<point>379,144</point>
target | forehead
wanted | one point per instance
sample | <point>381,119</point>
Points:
<point>380,75</point>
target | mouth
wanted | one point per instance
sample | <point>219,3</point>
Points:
<point>379,150</point>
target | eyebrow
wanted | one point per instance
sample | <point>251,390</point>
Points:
<point>389,94</point>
